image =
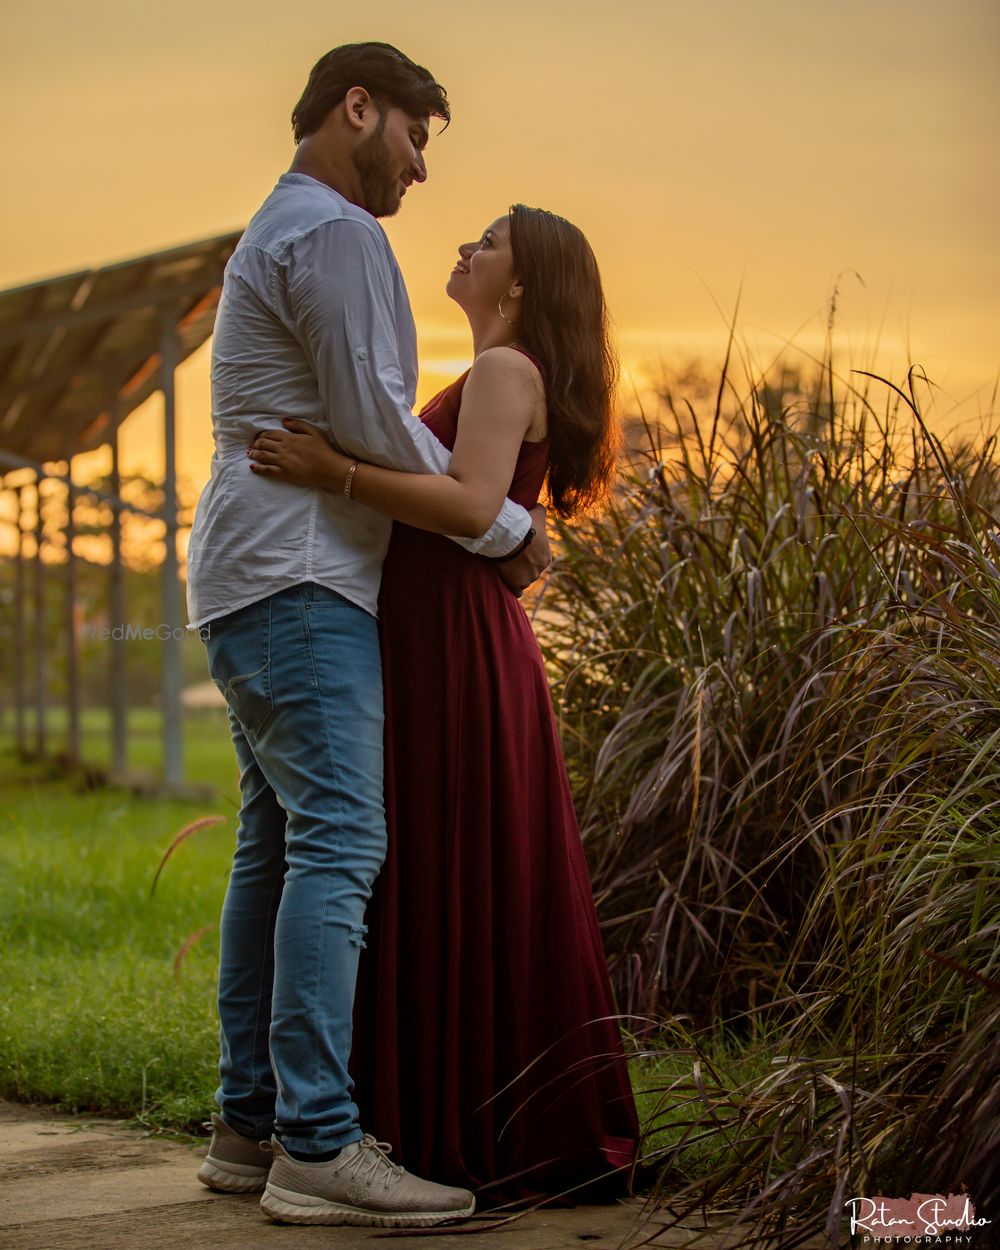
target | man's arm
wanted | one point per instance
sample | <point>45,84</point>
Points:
<point>339,283</point>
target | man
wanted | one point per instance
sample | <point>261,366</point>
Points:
<point>314,323</point>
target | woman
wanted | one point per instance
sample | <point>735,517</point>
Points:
<point>484,1044</point>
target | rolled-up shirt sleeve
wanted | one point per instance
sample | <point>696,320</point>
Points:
<point>340,293</point>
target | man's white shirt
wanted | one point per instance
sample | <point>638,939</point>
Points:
<point>314,322</point>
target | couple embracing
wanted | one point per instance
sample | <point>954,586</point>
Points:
<point>476,1032</point>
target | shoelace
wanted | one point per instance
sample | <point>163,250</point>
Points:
<point>375,1154</point>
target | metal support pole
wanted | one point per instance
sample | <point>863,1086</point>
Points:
<point>6,642</point>
<point>173,755</point>
<point>116,613</point>
<point>20,647</point>
<point>41,667</point>
<point>72,641</point>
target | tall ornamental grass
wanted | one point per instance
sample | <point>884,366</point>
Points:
<point>777,662</point>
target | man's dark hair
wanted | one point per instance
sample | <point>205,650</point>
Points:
<point>388,76</point>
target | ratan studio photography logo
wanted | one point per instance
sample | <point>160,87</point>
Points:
<point>920,1220</point>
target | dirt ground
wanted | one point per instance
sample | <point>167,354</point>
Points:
<point>72,1182</point>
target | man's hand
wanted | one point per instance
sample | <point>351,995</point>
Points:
<point>526,568</point>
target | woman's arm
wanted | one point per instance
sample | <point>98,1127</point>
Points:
<point>300,454</point>
<point>502,398</point>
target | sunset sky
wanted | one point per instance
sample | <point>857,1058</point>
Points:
<point>773,143</point>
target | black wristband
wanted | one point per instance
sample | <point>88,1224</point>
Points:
<point>521,546</point>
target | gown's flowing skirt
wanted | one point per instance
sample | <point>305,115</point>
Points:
<point>484,1048</point>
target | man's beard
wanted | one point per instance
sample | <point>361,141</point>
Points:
<point>379,182</point>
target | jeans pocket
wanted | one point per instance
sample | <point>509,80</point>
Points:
<point>239,662</point>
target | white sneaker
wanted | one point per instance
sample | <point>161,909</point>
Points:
<point>360,1186</point>
<point>235,1164</point>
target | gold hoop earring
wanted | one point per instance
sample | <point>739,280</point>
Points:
<point>501,312</point>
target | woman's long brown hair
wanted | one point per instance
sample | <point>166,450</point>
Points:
<point>564,325</point>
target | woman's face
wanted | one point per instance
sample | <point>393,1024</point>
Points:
<point>484,273</point>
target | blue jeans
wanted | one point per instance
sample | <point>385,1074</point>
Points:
<point>302,676</point>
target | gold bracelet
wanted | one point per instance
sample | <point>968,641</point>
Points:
<point>349,480</point>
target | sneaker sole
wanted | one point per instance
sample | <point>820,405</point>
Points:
<point>232,1178</point>
<point>288,1207</point>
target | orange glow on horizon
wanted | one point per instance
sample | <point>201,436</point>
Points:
<point>764,153</point>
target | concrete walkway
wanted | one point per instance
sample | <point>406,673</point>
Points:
<point>78,1183</point>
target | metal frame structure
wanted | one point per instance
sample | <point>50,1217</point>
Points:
<point>78,354</point>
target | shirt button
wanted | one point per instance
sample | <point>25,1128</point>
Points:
<point>362,354</point>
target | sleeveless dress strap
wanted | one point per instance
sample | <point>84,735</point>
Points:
<point>524,352</point>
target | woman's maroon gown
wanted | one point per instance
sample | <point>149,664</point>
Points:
<point>483,1048</point>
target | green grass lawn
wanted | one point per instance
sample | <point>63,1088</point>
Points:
<point>208,749</point>
<point>92,1016</point>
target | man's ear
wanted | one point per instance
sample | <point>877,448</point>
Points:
<point>358,106</point>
